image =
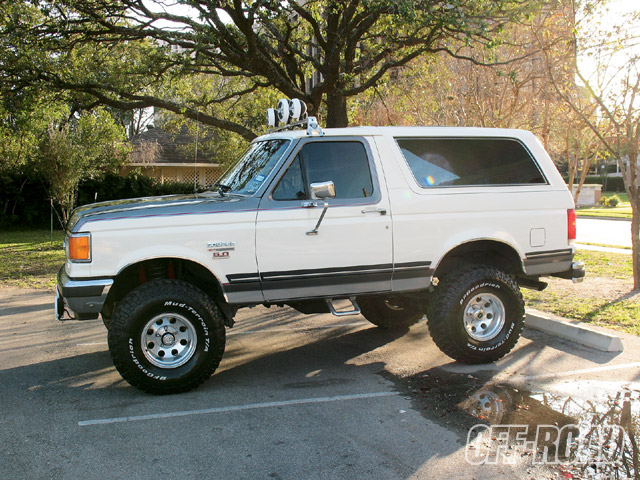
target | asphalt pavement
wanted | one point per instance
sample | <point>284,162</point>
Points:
<point>295,397</point>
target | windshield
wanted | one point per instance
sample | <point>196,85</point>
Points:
<point>246,177</point>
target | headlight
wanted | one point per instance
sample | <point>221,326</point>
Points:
<point>79,247</point>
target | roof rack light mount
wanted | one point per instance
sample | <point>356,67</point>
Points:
<point>292,114</point>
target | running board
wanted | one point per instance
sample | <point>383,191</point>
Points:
<point>355,309</point>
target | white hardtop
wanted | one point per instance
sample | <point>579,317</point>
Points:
<point>405,132</point>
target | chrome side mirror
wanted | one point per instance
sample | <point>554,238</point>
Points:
<point>322,191</point>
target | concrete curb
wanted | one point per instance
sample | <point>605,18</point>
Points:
<point>560,327</point>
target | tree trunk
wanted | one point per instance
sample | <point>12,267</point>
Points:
<point>15,201</point>
<point>632,187</point>
<point>336,110</point>
<point>635,243</point>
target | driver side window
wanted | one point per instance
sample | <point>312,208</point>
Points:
<point>344,163</point>
<point>291,186</point>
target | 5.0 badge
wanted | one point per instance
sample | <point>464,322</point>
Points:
<point>221,249</point>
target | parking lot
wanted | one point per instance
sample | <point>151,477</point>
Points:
<point>294,397</point>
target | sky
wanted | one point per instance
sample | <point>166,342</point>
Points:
<point>614,65</point>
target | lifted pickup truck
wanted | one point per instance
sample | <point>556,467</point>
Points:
<point>393,223</point>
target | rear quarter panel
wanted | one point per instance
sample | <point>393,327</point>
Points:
<point>429,222</point>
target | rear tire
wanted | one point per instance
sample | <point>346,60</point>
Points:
<point>393,312</point>
<point>166,336</point>
<point>476,314</point>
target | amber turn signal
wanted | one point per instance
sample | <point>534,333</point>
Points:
<point>80,248</point>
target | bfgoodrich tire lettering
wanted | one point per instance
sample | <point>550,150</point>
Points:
<point>476,314</point>
<point>166,336</point>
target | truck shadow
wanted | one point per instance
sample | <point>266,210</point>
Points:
<point>338,361</point>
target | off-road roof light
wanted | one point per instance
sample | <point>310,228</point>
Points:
<point>291,114</point>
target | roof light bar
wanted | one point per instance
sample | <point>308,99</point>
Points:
<point>291,114</point>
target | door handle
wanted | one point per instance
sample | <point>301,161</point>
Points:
<point>380,210</point>
<point>309,204</point>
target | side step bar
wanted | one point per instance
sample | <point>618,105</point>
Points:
<point>344,312</point>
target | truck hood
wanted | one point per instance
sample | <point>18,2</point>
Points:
<point>168,205</point>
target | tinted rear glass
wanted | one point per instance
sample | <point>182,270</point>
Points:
<point>460,162</point>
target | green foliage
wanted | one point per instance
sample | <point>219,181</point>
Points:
<point>24,198</point>
<point>115,53</point>
<point>116,187</point>
<point>23,119</point>
<point>612,201</point>
<point>85,147</point>
<point>613,184</point>
<point>201,91</point>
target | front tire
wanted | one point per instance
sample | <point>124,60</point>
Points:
<point>166,336</point>
<point>393,312</point>
<point>476,314</point>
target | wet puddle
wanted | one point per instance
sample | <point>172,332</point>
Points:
<point>575,430</point>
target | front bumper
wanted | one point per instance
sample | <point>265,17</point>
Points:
<point>83,299</point>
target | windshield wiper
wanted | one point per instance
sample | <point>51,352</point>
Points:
<point>221,188</point>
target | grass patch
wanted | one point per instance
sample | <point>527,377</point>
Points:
<point>606,212</point>
<point>624,198</point>
<point>606,264</point>
<point>28,259</point>
<point>619,314</point>
<point>605,298</point>
<point>623,247</point>
<point>622,210</point>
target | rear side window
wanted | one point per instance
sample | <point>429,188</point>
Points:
<point>464,161</point>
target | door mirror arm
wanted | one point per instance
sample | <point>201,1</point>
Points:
<point>322,191</point>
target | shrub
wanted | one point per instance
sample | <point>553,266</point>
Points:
<point>614,184</point>
<point>115,187</point>
<point>24,201</point>
<point>611,201</point>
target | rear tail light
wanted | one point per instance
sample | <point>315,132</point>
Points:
<point>571,224</point>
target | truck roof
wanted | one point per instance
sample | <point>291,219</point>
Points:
<point>404,131</point>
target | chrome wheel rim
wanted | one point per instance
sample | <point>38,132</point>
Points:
<point>484,316</point>
<point>168,340</point>
<point>485,404</point>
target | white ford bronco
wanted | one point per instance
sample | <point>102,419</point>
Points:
<point>393,223</point>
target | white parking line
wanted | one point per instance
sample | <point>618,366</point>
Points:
<point>235,408</point>
<point>578,372</point>
<point>264,330</point>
